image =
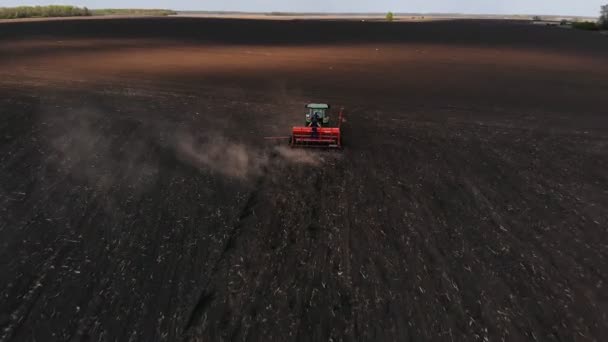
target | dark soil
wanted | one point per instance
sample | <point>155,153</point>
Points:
<point>139,200</point>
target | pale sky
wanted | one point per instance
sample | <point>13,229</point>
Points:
<point>558,7</point>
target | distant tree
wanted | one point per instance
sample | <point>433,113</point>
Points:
<point>537,18</point>
<point>604,17</point>
<point>390,16</point>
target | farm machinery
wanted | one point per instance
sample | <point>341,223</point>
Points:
<point>318,130</point>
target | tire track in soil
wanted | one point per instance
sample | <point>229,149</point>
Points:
<point>298,268</point>
<point>19,315</point>
<point>206,296</point>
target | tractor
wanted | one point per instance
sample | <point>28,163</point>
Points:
<point>320,135</point>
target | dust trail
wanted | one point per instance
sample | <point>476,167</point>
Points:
<point>222,156</point>
<point>103,151</point>
<point>299,156</point>
<point>237,160</point>
<point>86,144</point>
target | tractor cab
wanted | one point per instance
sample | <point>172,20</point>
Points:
<point>320,109</point>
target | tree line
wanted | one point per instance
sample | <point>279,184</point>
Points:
<point>72,11</point>
<point>43,12</point>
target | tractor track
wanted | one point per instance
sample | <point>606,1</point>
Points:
<point>206,296</point>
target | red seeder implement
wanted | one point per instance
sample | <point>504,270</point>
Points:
<point>328,137</point>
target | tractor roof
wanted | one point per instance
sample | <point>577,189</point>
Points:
<point>317,106</point>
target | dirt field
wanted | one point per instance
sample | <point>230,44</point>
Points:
<point>140,202</point>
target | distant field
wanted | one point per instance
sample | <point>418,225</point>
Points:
<point>133,11</point>
<point>140,201</point>
<point>368,16</point>
<point>49,12</point>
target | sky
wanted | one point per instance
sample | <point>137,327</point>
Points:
<point>557,7</point>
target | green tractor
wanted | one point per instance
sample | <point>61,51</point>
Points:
<point>320,109</point>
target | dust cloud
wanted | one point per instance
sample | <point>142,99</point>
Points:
<point>299,156</point>
<point>86,145</point>
<point>237,160</point>
<point>221,156</point>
